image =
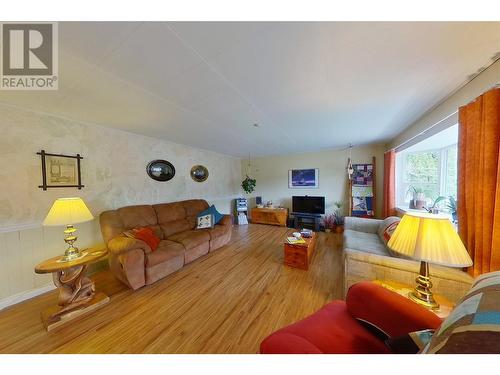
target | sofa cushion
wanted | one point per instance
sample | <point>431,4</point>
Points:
<point>212,211</point>
<point>217,231</point>
<point>191,238</point>
<point>367,242</point>
<point>174,227</point>
<point>387,228</point>
<point>194,206</point>
<point>167,212</point>
<point>165,251</point>
<point>205,221</point>
<point>137,216</point>
<point>474,324</point>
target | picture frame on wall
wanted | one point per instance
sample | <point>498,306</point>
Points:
<point>60,171</point>
<point>303,178</point>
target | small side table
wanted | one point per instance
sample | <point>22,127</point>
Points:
<point>445,305</point>
<point>77,294</point>
<point>299,255</point>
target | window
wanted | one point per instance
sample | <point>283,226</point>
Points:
<point>430,167</point>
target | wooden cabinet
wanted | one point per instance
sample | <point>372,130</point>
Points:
<point>272,216</point>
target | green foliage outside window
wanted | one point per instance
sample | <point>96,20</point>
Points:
<point>422,171</point>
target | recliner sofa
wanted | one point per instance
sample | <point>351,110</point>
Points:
<point>134,263</point>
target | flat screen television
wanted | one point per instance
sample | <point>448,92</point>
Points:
<point>308,205</point>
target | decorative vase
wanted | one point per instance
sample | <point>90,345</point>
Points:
<point>339,228</point>
<point>419,204</point>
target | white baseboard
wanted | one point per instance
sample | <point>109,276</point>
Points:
<point>23,296</point>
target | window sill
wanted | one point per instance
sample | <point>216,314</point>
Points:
<point>401,210</point>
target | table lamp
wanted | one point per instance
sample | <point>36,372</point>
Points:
<point>429,238</point>
<point>68,211</point>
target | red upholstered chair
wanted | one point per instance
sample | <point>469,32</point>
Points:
<point>338,327</point>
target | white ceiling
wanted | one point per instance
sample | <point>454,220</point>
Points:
<point>309,86</point>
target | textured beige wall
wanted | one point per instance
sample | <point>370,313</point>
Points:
<point>113,168</point>
<point>484,81</point>
<point>114,175</point>
<point>271,174</point>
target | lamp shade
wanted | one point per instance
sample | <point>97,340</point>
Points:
<point>429,238</point>
<point>66,211</point>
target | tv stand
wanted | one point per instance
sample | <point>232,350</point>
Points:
<point>308,219</point>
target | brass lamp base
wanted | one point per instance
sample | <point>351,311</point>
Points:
<point>422,293</point>
<point>70,238</point>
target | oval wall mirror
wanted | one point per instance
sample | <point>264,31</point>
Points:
<point>160,170</point>
<point>199,173</point>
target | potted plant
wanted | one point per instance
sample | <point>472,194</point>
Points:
<point>418,197</point>
<point>434,209</point>
<point>339,216</point>
<point>329,222</point>
<point>452,206</point>
<point>248,184</point>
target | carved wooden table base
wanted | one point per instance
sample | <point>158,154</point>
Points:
<point>77,294</point>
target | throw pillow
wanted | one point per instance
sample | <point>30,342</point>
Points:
<point>474,324</point>
<point>212,211</point>
<point>387,228</point>
<point>205,221</point>
<point>144,234</point>
<point>412,343</point>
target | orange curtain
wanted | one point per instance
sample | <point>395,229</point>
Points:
<point>389,184</point>
<point>478,181</point>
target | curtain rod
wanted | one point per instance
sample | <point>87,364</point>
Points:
<point>423,131</point>
<point>495,86</point>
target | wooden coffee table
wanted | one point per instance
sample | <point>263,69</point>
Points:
<point>299,255</point>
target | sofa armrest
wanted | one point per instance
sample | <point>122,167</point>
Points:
<point>359,265</point>
<point>361,224</point>
<point>226,220</point>
<point>121,244</point>
<point>387,310</point>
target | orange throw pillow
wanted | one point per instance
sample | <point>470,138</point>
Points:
<point>146,235</point>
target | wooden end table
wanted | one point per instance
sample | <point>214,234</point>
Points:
<point>445,305</point>
<point>77,294</point>
<point>299,255</point>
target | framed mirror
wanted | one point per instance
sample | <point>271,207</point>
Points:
<point>199,173</point>
<point>160,170</point>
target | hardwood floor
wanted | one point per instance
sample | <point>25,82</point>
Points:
<point>226,302</point>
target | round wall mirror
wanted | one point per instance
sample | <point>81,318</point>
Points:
<point>199,173</point>
<point>160,170</point>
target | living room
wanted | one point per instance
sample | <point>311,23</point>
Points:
<point>259,185</point>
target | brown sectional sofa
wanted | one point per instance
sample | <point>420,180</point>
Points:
<point>133,262</point>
